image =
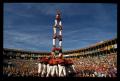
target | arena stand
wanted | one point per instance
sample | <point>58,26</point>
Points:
<point>99,60</point>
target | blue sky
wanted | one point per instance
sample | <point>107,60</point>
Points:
<point>28,26</point>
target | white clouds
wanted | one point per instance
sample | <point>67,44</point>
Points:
<point>71,33</point>
<point>21,39</point>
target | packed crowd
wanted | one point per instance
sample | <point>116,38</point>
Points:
<point>91,66</point>
<point>33,68</point>
<point>20,68</point>
<point>96,66</point>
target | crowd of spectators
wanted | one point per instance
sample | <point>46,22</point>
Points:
<point>96,66</point>
<point>20,68</point>
<point>90,66</point>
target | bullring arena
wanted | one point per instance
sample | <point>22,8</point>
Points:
<point>97,60</point>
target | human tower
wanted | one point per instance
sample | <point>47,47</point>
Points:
<point>55,65</point>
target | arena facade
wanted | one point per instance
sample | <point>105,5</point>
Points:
<point>98,60</point>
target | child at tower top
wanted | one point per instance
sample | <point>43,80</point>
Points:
<point>58,19</point>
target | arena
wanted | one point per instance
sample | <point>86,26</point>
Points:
<point>98,60</point>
